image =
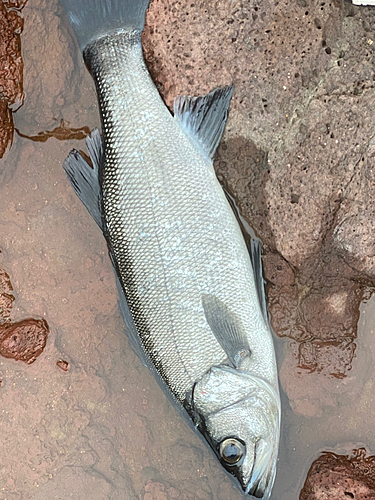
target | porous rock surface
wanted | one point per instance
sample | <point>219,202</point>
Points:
<point>23,340</point>
<point>11,67</point>
<point>341,477</point>
<point>102,429</point>
<point>297,152</point>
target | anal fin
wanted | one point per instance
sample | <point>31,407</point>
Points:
<point>84,178</point>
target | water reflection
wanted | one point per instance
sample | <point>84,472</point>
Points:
<point>326,413</point>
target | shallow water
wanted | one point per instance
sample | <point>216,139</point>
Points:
<point>345,422</point>
<point>103,429</point>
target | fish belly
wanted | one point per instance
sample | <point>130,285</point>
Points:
<point>172,234</point>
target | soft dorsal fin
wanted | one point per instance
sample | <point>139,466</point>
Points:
<point>256,261</point>
<point>203,118</point>
<point>227,329</point>
<point>254,246</point>
<point>84,178</point>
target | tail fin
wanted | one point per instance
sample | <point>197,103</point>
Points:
<point>92,19</point>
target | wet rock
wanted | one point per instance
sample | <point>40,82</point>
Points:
<point>318,310</point>
<point>297,153</point>
<point>63,133</point>
<point>14,4</point>
<point>25,340</point>
<point>78,482</point>
<point>6,295</point>
<point>11,67</point>
<point>341,477</point>
<point>64,365</point>
<point>6,126</point>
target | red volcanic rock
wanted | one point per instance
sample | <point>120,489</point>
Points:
<point>64,365</point>
<point>25,340</point>
<point>341,477</point>
<point>317,308</point>
<point>15,4</point>
<point>6,126</point>
<point>11,67</point>
<point>6,295</point>
<point>298,149</point>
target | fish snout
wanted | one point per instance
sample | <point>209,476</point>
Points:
<point>263,471</point>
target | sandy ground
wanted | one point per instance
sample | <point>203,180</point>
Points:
<point>103,430</point>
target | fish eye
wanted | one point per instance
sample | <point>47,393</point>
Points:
<point>231,451</point>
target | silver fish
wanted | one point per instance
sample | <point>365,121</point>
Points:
<point>190,292</point>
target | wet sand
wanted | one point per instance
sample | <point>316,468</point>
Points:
<point>102,429</point>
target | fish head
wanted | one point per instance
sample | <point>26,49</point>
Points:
<point>239,415</point>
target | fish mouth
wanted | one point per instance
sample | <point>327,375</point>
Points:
<point>258,489</point>
<point>263,472</point>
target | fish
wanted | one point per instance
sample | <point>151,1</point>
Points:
<point>191,290</point>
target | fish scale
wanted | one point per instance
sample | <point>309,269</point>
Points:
<point>147,195</point>
<point>190,292</point>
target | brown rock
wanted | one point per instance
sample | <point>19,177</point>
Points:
<point>353,235</point>
<point>155,490</point>
<point>297,152</point>
<point>25,340</point>
<point>6,295</point>
<point>11,67</point>
<point>339,477</point>
<point>16,4</point>
<point>6,126</point>
<point>64,132</point>
<point>64,365</point>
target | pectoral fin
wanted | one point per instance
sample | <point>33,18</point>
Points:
<point>227,329</point>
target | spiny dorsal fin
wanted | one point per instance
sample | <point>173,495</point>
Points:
<point>203,118</point>
<point>84,178</point>
<point>227,329</point>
